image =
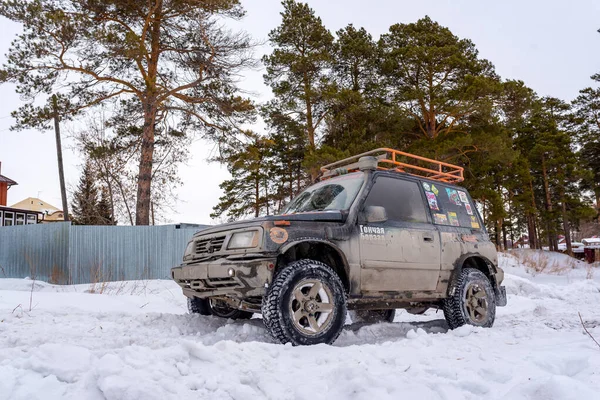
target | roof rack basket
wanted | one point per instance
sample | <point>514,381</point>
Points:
<point>399,161</point>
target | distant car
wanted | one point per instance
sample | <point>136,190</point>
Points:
<point>369,236</point>
<point>577,248</point>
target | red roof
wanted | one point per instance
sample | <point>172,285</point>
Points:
<point>9,181</point>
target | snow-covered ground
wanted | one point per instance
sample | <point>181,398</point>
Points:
<point>136,341</point>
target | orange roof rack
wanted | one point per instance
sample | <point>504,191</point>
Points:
<point>399,161</point>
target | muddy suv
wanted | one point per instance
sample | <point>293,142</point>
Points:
<point>380,231</point>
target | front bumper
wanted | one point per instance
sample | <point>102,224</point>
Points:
<point>213,278</point>
<point>501,300</point>
<point>500,291</point>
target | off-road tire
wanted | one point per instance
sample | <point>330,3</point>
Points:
<point>371,316</point>
<point>204,307</point>
<point>280,297</point>
<point>456,308</point>
<point>198,306</point>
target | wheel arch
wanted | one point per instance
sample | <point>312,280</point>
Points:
<point>319,250</point>
<point>475,261</point>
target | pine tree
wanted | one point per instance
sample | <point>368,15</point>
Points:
<point>587,113</point>
<point>154,59</point>
<point>104,215</point>
<point>298,69</point>
<point>247,192</point>
<point>85,199</point>
<point>436,77</point>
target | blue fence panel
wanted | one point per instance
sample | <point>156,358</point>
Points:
<point>61,253</point>
<point>39,251</point>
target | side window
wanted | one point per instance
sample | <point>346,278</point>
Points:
<point>402,199</point>
<point>450,206</point>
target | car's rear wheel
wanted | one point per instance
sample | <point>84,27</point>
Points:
<point>216,308</point>
<point>305,304</point>
<point>473,301</point>
<point>371,316</point>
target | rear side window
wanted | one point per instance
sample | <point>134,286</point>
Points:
<point>450,206</point>
<point>402,199</point>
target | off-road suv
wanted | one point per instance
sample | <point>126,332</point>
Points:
<point>379,231</point>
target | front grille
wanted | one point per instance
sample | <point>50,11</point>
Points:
<point>209,245</point>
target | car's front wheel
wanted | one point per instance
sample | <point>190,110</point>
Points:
<point>216,308</point>
<point>305,304</point>
<point>473,301</point>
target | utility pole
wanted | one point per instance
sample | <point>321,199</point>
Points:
<point>61,172</point>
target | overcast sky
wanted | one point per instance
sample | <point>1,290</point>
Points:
<point>552,45</point>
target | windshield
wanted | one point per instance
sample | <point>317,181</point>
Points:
<point>332,194</point>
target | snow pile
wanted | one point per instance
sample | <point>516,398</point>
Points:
<point>136,341</point>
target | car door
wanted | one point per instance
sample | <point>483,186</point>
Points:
<point>403,252</point>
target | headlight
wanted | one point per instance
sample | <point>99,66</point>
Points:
<point>243,240</point>
<point>189,250</point>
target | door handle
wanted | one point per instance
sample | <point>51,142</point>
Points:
<point>428,237</point>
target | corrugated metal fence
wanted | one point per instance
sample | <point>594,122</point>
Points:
<point>64,253</point>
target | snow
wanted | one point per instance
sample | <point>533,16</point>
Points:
<point>136,341</point>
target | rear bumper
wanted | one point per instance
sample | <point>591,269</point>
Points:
<point>237,278</point>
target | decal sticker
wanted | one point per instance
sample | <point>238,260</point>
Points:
<point>469,238</point>
<point>440,219</point>
<point>453,196</point>
<point>449,237</point>
<point>463,197</point>
<point>453,219</point>
<point>435,190</point>
<point>278,235</point>
<point>474,223</point>
<point>426,186</point>
<point>372,232</point>
<point>469,209</point>
<point>432,200</point>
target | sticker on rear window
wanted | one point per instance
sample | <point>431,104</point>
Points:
<point>453,196</point>
<point>463,197</point>
<point>453,218</point>
<point>469,209</point>
<point>440,219</point>
<point>432,200</point>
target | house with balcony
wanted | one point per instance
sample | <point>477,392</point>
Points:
<point>13,215</point>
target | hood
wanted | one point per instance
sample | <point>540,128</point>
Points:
<point>325,216</point>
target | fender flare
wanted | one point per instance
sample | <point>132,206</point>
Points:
<point>460,263</point>
<point>345,266</point>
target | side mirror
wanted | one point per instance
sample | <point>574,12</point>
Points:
<point>375,214</point>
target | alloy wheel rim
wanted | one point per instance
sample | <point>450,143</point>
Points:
<point>476,303</point>
<point>311,306</point>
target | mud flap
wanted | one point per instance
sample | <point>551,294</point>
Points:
<point>501,296</point>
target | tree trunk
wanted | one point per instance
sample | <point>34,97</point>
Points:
<point>565,218</point>
<point>531,231</point>
<point>310,128</point>
<point>551,234</point>
<point>142,211</point>
<point>567,228</point>
<point>498,229</point>
<point>533,239</point>
<point>504,237</point>
<point>149,104</point>
<point>597,193</point>
<point>61,171</point>
<point>256,196</point>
